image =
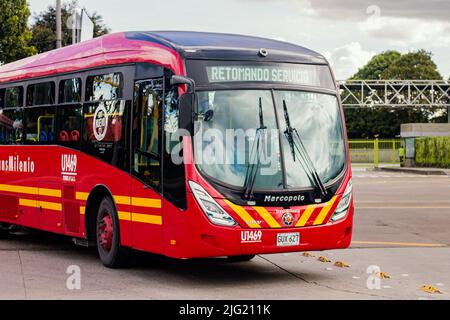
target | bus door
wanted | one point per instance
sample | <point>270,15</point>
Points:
<point>146,164</point>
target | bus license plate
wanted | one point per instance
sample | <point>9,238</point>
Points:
<point>288,239</point>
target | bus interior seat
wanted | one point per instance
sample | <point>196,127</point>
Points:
<point>75,135</point>
<point>43,137</point>
<point>63,136</point>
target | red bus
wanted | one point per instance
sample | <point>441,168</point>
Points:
<point>183,144</point>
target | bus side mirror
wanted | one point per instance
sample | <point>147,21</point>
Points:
<point>188,101</point>
<point>187,104</point>
<point>180,80</point>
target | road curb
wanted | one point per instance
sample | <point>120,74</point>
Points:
<point>431,172</point>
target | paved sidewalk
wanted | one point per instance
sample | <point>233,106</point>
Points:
<point>388,167</point>
<point>422,171</point>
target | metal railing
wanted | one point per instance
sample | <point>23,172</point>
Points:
<point>375,151</point>
<point>395,93</point>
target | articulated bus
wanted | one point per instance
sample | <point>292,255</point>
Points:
<point>183,144</point>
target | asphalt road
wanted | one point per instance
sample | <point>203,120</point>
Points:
<point>401,228</point>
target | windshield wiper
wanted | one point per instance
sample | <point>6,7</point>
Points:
<point>255,156</point>
<point>296,144</point>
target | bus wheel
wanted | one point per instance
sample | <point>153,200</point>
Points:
<point>111,253</point>
<point>241,258</point>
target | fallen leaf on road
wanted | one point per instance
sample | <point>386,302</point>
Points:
<point>430,289</point>
<point>341,264</point>
<point>324,259</point>
<point>383,275</point>
<point>308,255</point>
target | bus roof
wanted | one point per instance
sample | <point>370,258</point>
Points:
<point>207,45</point>
<point>167,48</point>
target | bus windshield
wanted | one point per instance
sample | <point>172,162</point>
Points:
<point>229,134</point>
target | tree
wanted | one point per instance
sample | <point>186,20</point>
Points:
<point>376,66</point>
<point>417,65</point>
<point>44,36</point>
<point>14,32</point>
<point>367,123</point>
<point>385,122</point>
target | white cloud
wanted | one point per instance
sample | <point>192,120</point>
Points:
<point>432,10</point>
<point>405,32</point>
<point>346,60</point>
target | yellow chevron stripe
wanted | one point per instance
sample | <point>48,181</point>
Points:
<point>38,204</point>
<point>267,217</point>
<point>241,212</point>
<point>305,216</point>
<point>31,190</point>
<point>146,218</point>
<point>82,211</point>
<point>325,210</point>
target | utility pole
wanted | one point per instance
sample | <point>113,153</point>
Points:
<point>58,24</point>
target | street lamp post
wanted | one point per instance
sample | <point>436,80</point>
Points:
<point>58,24</point>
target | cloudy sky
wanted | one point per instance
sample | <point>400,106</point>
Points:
<point>347,32</point>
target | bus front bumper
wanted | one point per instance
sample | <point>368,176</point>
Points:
<point>211,241</point>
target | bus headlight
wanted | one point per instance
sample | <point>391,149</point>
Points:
<point>210,207</point>
<point>344,204</point>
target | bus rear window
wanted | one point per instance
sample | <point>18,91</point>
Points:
<point>104,87</point>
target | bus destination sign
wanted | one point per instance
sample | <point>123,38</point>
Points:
<point>305,75</point>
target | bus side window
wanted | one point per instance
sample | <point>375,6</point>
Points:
<point>69,113</point>
<point>69,126</point>
<point>104,134</point>
<point>105,118</point>
<point>41,94</point>
<point>40,125</point>
<point>11,115</point>
<point>147,132</point>
<point>11,126</point>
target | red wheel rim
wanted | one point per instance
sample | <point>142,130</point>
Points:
<point>106,232</point>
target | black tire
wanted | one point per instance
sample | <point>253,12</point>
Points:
<point>111,253</point>
<point>241,258</point>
